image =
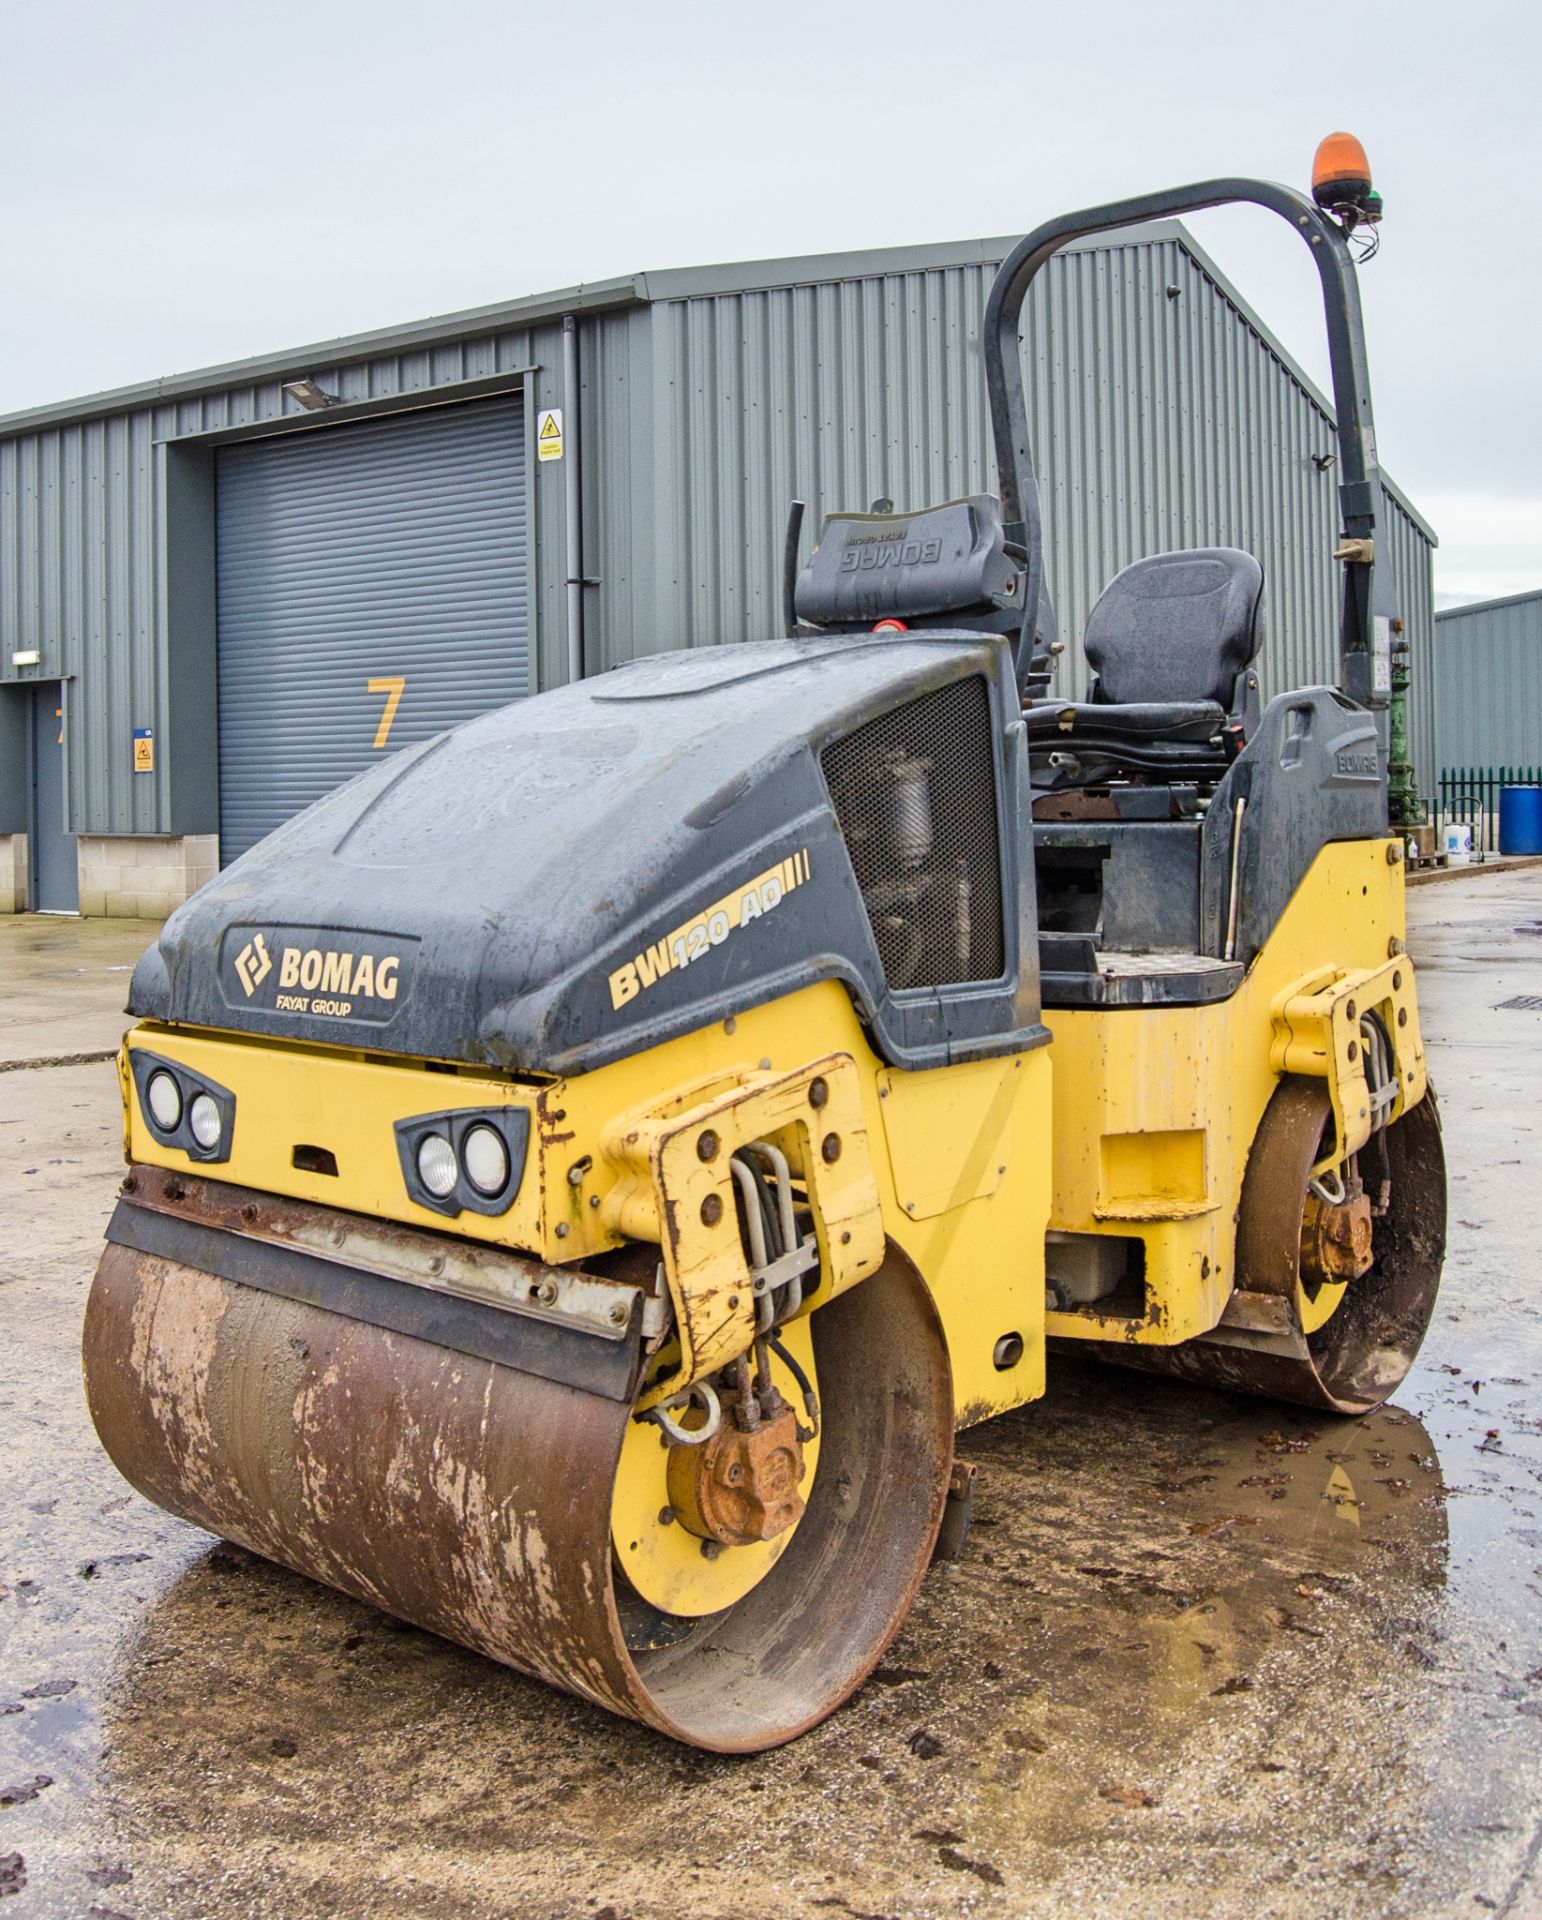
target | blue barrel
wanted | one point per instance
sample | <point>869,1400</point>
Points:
<point>1520,819</point>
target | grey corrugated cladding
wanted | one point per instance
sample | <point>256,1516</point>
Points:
<point>1488,675</point>
<point>710,398</point>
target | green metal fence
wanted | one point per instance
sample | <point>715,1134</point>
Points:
<point>1469,796</point>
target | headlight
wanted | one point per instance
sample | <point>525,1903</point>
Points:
<point>486,1160</point>
<point>203,1117</point>
<point>468,1160</point>
<point>437,1167</point>
<point>183,1108</point>
<point>164,1099</point>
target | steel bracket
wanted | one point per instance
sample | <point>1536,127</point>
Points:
<point>676,1187</point>
<point>1317,1034</point>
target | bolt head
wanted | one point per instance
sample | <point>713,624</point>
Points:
<point>830,1149</point>
<point>818,1092</point>
<point>707,1145</point>
<point>711,1209</point>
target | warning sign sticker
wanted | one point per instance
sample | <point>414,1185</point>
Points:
<point>548,433</point>
<point>144,750</point>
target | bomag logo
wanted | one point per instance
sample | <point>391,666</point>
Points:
<point>325,970</point>
<point>332,981</point>
<point>1357,764</point>
<point>253,964</point>
<point>297,970</point>
<point>709,928</point>
<point>865,554</point>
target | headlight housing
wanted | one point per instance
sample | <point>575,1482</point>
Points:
<point>182,1109</point>
<point>468,1160</point>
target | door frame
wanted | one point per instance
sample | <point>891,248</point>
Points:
<point>37,690</point>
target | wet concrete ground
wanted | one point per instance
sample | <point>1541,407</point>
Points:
<point>63,983</point>
<point>1202,1655</point>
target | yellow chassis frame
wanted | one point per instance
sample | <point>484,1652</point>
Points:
<point>1136,1122</point>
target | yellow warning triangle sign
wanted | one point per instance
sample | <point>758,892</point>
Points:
<point>549,428</point>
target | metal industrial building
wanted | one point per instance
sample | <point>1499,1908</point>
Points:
<point>221,593</point>
<point>1488,684</point>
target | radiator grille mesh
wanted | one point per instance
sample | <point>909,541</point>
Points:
<point>915,794</point>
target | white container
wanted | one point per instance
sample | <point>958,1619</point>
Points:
<point>1458,846</point>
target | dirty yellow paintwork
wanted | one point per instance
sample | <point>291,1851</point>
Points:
<point>662,1559</point>
<point>948,1134</point>
<point>979,1247</point>
<point>1156,1107</point>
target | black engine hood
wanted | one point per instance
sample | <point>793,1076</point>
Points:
<point>592,870</point>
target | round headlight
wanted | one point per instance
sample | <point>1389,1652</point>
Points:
<point>164,1099</point>
<point>436,1165</point>
<point>486,1160</point>
<point>203,1116</point>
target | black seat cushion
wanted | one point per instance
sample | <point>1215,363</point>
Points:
<point>1176,627</point>
<point>1198,720</point>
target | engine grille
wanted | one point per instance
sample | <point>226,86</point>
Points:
<point>915,794</point>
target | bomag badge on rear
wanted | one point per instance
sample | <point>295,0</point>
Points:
<point>319,972</point>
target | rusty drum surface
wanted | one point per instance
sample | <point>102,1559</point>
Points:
<point>474,1499</point>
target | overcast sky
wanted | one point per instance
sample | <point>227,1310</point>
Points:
<point>183,184</point>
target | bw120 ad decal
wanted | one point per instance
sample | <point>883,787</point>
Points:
<point>709,928</point>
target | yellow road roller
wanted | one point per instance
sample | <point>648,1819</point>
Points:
<point>584,1172</point>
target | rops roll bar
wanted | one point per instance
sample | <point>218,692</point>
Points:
<point>1363,670</point>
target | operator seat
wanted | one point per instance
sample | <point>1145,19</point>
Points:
<point>941,568</point>
<point>1171,643</point>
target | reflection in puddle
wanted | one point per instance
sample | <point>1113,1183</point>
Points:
<point>1157,1569</point>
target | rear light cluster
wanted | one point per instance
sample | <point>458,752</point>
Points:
<point>470,1160</point>
<point>182,1109</point>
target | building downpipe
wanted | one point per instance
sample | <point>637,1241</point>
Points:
<point>573,518</point>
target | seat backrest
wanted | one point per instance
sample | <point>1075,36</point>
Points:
<point>1177,626</point>
<point>941,560</point>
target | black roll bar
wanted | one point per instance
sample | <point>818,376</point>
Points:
<point>1360,478</point>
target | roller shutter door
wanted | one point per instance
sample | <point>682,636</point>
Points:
<point>371,592</point>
